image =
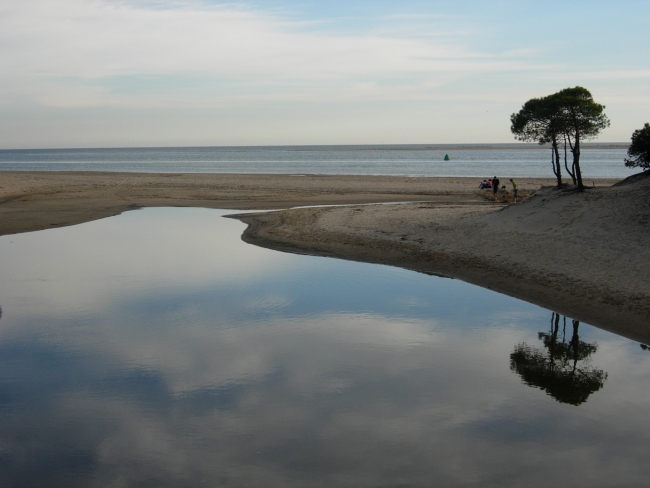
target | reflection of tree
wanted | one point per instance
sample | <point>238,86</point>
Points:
<point>563,370</point>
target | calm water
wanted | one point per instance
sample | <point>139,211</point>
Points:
<point>157,349</point>
<point>411,160</point>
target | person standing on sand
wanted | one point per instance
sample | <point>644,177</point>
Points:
<point>495,187</point>
<point>514,188</point>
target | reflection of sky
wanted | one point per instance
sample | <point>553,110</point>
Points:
<point>155,348</point>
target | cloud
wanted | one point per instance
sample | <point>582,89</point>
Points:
<point>80,53</point>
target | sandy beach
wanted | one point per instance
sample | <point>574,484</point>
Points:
<point>580,254</point>
<point>41,200</point>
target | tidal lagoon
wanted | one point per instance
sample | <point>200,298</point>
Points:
<point>155,348</point>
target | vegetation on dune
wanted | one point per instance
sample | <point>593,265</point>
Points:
<point>639,150</point>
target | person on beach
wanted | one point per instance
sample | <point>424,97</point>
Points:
<point>495,187</point>
<point>514,188</point>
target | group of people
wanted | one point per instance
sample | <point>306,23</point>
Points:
<point>494,184</point>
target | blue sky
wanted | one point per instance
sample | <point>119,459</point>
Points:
<point>108,73</point>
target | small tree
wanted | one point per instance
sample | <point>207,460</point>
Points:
<point>582,119</point>
<point>639,150</point>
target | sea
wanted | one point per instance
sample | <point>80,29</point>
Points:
<point>598,160</point>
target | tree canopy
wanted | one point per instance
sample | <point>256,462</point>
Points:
<point>639,150</point>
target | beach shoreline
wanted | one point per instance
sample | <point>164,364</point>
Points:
<point>560,250</point>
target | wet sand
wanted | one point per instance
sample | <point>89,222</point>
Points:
<point>580,254</point>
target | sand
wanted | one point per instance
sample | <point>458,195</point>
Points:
<point>580,254</point>
<point>39,200</point>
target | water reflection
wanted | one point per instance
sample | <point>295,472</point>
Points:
<point>564,370</point>
<point>157,349</point>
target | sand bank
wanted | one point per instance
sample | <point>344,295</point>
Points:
<point>578,254</point>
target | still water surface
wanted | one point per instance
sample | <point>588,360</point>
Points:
<point>155,348</point>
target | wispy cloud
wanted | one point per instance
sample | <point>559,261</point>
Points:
<point>71,52</point>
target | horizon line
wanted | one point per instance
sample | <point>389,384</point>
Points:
<point>387,145</point>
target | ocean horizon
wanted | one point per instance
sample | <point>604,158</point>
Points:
<point>598,160</point>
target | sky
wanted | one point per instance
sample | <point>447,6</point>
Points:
<point>120,73</point>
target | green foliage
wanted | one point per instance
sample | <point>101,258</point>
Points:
<point>582,118</point>
<point>537,121</point>
<point>565,113</point>
<point>639,150</point>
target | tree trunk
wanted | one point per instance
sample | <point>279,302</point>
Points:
<point>553,162</point>
<point>555,324</point>
<point>566,165</point>
<point>576,161</point>
<point>557,169</point>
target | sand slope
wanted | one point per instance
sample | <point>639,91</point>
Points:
<point>581,254</point>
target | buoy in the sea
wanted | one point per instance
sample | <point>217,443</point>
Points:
<point>446,157</point>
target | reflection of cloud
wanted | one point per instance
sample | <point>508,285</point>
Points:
<point>266,303</point>
<point>339,399</point>
<point>92,263</point>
